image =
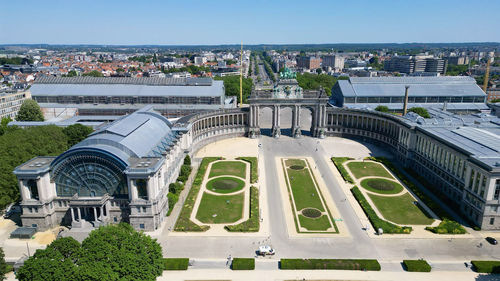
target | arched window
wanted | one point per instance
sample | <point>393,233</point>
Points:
<point>33,188</point>
<point>142,188</point>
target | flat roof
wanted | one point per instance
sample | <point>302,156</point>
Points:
<point>150,81</point>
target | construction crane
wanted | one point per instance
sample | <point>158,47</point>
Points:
<point>486,75</point>
<point>241,75</point>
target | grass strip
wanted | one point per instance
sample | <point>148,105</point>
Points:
<point>375,220</point>
<point>253,223</point>
<point>243,264</point>
<point>184,222</point>
<point>342,264</point>
<point>416,266</point>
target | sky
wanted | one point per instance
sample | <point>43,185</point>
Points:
<point>212,22</point>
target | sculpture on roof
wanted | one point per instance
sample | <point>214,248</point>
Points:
<point>288,74</point>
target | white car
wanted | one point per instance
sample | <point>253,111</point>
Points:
<point>266,250</point>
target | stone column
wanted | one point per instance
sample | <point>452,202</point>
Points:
<point>296,133</point>
<point>72,214</point>
<point>95,213</point>
<point>276,122</point>
<point>79,214</point>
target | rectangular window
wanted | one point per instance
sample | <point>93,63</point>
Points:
<point>115,219</point>
<point>496,195</point>
<point>492,221</point>
<point>141,226</point>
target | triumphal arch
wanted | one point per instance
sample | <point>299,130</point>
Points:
<point>287,93</point>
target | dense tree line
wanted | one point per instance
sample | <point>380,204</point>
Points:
<point>454,70</point>
<point>268,69</point>
<point>93,73</point>
<point>15,60</point>
<point>20,145</point>
<point>310,81</point>
<point>193,69</point>
<point>114,252</point>
<point>232,86</point>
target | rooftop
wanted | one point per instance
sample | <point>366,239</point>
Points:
<point>150,81</point>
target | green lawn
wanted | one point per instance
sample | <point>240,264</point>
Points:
<point>225,185</point>
<point>228,208</point>
<point>229,168</point>
<point>365,169</point>
<point>291,162</point>
<point>400,209</point>
<point>303,189</point>
<point>381,186</point>
<point>319,224</point>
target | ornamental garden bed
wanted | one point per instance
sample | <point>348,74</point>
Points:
<point>225,185</point>
<point>381,186</point>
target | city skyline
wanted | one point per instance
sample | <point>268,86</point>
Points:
<point>259,22</point>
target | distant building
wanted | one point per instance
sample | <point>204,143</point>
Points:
<point>335,62</point>
<point>308,62</point>
<point>459,94</point>
<point>172,97</point>
<point>200,60</point>
<point>412,64</point>
<point>11,101</point>
<point>457,60</point>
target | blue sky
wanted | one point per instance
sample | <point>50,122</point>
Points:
<point>253,22</point>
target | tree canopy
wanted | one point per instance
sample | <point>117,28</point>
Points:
<point>20,145</point>
<point>309,81</point>
<point>114,252</point>
<point>382,108</point>
<point>232,86</point>
<point>420,111</point>
<point>4,267</point>
<point>30,111</point>
<point>93,73</point>
<point>76,133</point>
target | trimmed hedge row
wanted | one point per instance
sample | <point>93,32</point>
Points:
<point>339,161</point>
<point>253,223</point>
<point>342,264</point>
<point>376,221</point>
<point>175,263</point>
<point>254,168</point>
<point>184,222</point>
<point>417,266</point>
<point>243,264</point>
<point>486,266</point>
<point>448,226</point>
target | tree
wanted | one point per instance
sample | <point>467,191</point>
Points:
<point>4,267</point>
<point>76,133</point>
<point>93,73</point>
<point>420,111</point>
<point>30,111</point>
<point>20,145</point>
<point>232,86</point>
<point>4,125</point>
<point>382,108</point>
<point>71,73</point>
<point>114,252</point>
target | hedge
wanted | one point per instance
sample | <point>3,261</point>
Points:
<point>339,161</point>
<point>184,222</point>
<point>175,263</point>
<point>448,226</point>
<point>175,189</point>
<point>376,221</point>
<point>416,266</point>
<point>243,264</point>
<point>253,223</point>
<point>254,168</point>
<point>343,264</point>
<point>486,266</point>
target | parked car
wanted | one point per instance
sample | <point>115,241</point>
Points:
<point>491,240</point>
<point>266,250</point>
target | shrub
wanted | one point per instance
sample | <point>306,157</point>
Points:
<point>376,221</point>
<point>184,173</point>
<point>253,223</point>
<point>187,160</point>
<point>175,263</point>
<point>243,264</point>
<point>382,108</point>
<point>447,227</point>
<point>343,264</point>
<point>416,266</point>
<point>338,161</point>
<point>486,266</point>
<point>172,200</point>
<point>184,222</point>
<point>431,203</point>
<point>254,168</point>
<point>420,111</point>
